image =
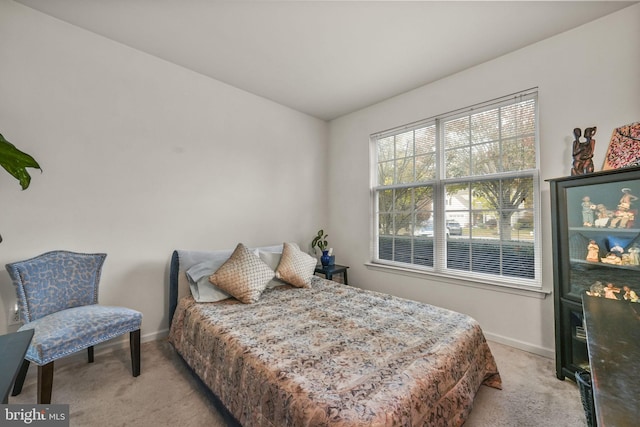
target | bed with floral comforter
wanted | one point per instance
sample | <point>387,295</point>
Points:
<point>335,355</point>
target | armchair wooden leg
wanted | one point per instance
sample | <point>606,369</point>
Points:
<point>45,383</point>
<point>22,374</point>
<point>90,354</point>
<point>134,344</point>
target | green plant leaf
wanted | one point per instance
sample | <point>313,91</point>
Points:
<point>319,241</point>
<point>15,162</point>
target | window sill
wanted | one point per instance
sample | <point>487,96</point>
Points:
<point>499,287</point>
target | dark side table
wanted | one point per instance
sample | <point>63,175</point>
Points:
<point>330,270</point>
<point>13,347</point>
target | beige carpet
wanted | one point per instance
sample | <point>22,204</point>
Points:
<point>166,393</point>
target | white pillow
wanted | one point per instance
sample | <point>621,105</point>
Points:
<point>202,289</point>
<point>272,259</point>
<point>205,291</point>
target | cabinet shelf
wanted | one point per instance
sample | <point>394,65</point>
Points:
<point>606,230</point>
<point>590,264</point>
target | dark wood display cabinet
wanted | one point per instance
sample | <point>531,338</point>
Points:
<point>596,251</point>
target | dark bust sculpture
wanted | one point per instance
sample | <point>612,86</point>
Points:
<point>583,151</point>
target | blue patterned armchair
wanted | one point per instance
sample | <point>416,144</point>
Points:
<point>58,298</point>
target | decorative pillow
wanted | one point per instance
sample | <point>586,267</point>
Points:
<point>295,266</point>
<point>244,275</point>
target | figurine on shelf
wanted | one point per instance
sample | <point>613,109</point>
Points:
<point>596,290</point>
<point>623,214</point>
<point>617,250</point>
<point>593,251</point>
<point>611,258</point>
<point>627,198</point>
<point>621,218</point>
<point>629,294</point>
<point>587,211</point>
<point>583,151</point>
<point>634,254</point>
<point>610,291</point>
<point>603,215</point>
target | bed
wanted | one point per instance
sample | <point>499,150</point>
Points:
<point>329,354</point>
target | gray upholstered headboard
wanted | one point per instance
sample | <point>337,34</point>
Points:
<point>178,285</point>
<point>182,260</point>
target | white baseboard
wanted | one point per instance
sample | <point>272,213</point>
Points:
<point>549,353</point>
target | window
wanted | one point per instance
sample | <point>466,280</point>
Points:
<point>458,194</point>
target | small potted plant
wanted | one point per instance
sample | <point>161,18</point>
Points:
<point>320,241</point>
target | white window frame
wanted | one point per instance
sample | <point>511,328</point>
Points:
<point>439,203</point>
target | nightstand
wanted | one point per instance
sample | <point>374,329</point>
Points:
<point>330,270</point>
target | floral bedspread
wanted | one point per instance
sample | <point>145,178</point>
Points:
<point>335,355</point>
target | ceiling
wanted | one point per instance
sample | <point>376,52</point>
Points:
<point>325,58</point>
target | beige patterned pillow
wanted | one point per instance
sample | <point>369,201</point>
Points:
<point>244,275</point>
<point>295,266</point>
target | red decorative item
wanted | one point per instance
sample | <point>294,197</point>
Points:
<point>624,147</point>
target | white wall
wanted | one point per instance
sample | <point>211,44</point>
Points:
<point>588,76</point>
<point>141,157</point>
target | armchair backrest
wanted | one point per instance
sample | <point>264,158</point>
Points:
<point>55,281</point>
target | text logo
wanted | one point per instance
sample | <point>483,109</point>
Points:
<point>34,415</point>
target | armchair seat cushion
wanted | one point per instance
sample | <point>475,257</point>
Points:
<point>65,332</point>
